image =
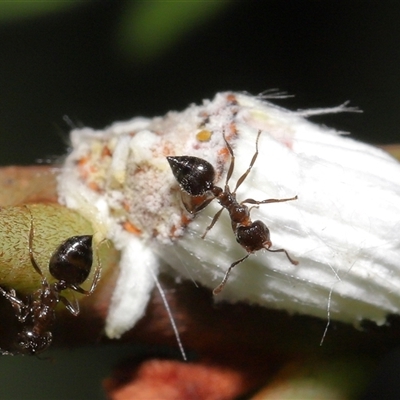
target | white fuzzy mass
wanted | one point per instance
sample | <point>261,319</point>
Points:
<point>343,229</point>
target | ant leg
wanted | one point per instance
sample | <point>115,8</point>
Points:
<point>72,307</point>
<point>11,296</point>
<point>253,160</point>
<point>20,308</point>
<point>232,164</point>
<point>95,281</point>
<point>219,288</point>
<point>215,219</point>
<point>252,207</point>
<point>294,262</point>
<point>252,201</point>
<point>7,353</point>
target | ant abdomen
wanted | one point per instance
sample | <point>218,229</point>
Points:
<point>253,237</point>
<point>30,342</point>
<point>194,175</point>
<point>73,259</point>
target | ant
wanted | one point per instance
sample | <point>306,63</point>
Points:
<point>196,179</point>
<point>70,265</point>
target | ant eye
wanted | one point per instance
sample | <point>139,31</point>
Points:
<point>194,175</point>
<point>73,259</point>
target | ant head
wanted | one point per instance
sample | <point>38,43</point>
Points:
<point>194,175</point>
<point>31,343</point>
<point>73,259</point>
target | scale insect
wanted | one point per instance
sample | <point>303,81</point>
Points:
<point>196,178</point>
<point>70,265</point>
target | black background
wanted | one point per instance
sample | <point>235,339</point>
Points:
<point>323,52</point>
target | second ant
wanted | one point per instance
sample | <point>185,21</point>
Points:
<point>70,265</point>
<point>196,178</point>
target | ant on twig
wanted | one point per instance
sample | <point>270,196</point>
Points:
<point>196,179</point>
<point>70,265</point>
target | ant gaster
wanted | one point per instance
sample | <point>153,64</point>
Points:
<point>70,265</point>
<point>196,179</point>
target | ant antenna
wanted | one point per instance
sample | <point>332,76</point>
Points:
<point>30,245</point>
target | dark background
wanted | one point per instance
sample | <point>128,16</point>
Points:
<point>323,52</point>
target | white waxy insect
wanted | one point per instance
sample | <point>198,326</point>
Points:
<point>343,229</point>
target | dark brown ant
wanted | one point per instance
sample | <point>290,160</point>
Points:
<point>70,265</point>
<point>196,179</point>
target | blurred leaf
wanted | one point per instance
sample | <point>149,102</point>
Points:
<point>393,149</point>
<point>15,10</point>
<point>333,378</point>
<point>150,28</point>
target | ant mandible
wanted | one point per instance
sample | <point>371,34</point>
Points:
<point>70,265</point>
<point>196,179</point>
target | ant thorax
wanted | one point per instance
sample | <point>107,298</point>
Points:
<point>70,266</point>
